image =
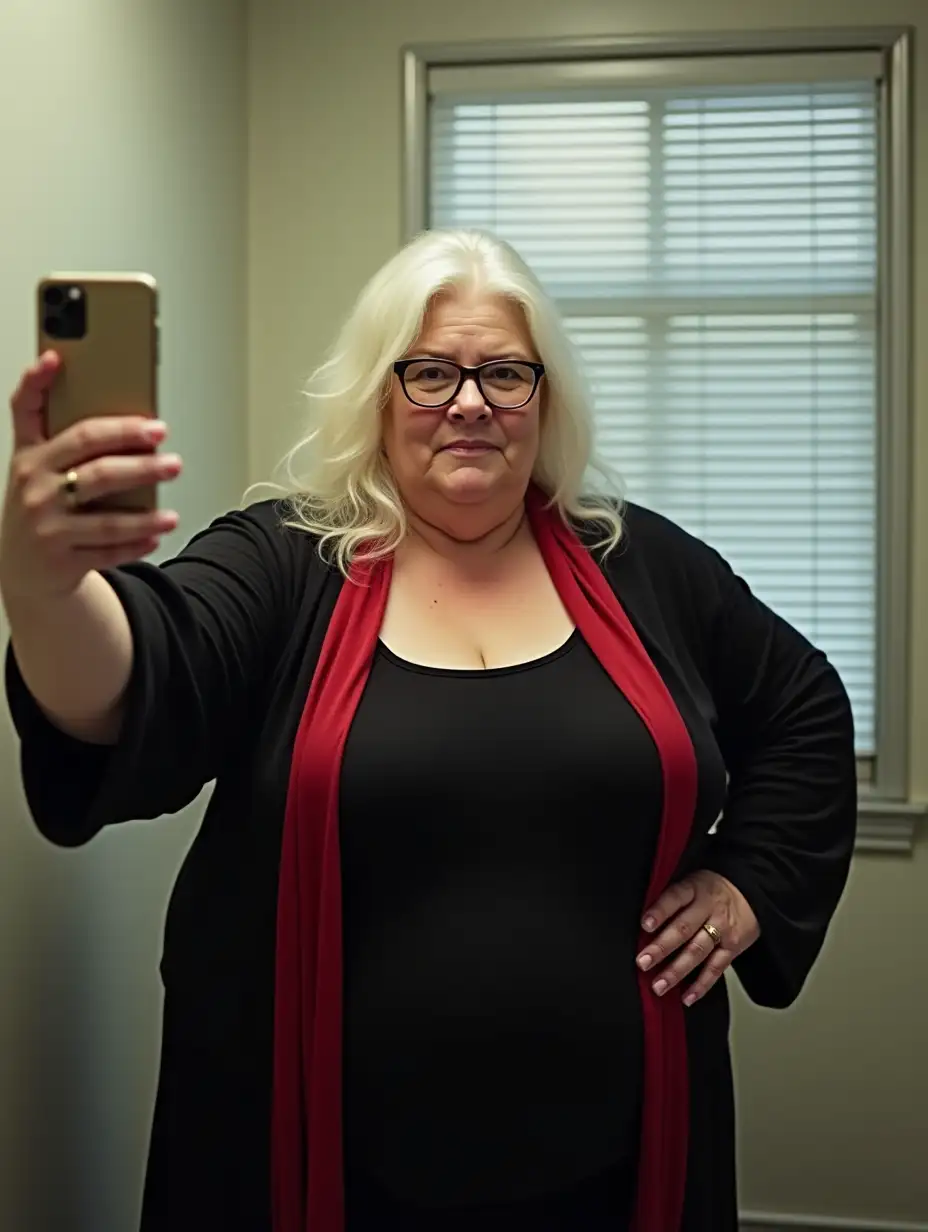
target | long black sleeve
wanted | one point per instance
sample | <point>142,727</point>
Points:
<point>205,626</point>
<point>787,833</point>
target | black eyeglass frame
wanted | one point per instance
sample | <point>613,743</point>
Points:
<point>468,374</point>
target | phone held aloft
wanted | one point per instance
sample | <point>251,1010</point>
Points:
<point>105,328</point>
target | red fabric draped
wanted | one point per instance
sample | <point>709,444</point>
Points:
<point>307,1173</point>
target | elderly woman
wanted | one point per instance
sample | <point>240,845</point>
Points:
<point>447,951</point>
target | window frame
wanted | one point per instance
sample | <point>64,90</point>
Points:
<point>887,816</point>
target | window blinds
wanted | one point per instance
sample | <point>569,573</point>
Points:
<point>713,250</point>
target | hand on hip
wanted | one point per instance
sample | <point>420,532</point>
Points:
<point>701,924</point>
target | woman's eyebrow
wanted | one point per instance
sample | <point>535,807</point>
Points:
<point>489,357</point>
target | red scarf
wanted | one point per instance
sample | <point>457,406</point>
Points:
<point>307,1175</point>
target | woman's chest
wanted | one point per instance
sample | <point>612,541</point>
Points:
<point>493,618</point>
<point>546,763</point>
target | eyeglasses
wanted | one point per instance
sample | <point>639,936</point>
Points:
<point>504,384</point>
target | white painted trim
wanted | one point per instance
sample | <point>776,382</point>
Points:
<point>888,826</point>
<point>895,428</point>
<point>763,1222</point>
<point>495,80</point>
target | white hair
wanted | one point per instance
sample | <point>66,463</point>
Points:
<point>340,485</point>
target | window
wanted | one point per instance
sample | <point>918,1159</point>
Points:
<point>713,228</point>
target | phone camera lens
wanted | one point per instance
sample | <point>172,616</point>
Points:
<point>65,315</point>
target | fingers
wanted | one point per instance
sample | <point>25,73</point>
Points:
<point>28,401</point>
<point>681,928</point>
<point>674,899</point>
<point>103,531</point>
<point>712,971</point>
<point>120,473</point>
<point>113,557</point>
<point>51,542</point>
<point>100,437</point>
<point>39,489</point>
<point>683,945</point>
<point>699,950</point>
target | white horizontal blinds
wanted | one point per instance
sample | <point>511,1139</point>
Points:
<point>566,181</point>
<point>713,250</point>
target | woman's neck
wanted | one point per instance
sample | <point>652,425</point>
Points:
<point>483,547</point>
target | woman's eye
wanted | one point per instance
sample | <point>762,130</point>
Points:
<point>504,372</point>
<point>424,373</point>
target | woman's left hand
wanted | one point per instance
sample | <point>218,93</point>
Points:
<point>686,907</point>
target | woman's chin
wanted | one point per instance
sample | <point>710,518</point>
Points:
<point>468,484</point>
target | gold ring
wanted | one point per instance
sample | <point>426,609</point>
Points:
<point>70,485</point>
<point>713,933</point>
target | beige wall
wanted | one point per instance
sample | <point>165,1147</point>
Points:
<point>834,1095</point>
<point>122,146</point>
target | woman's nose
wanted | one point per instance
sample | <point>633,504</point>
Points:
<point>469,406</point>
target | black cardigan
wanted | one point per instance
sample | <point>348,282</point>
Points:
<point>226,639</point>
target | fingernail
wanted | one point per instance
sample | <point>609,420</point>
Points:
<point>170,462</point>
<point>660,987</point>
<point>689,999</point>
<point>156,430</point>
<point>644,961</point>
<point>648,923</point>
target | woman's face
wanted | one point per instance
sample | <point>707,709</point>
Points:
<point>464,454</point>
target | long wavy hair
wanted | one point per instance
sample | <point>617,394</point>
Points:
<point>340,487</point>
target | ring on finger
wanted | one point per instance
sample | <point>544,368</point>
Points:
<point>69,487</point>
<point>714,933</point>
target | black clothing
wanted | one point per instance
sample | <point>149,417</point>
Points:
<point>497,835</point>
<point>602,1203</point>
<point>226,640</point>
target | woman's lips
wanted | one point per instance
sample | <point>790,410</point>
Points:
<point>468,449</point>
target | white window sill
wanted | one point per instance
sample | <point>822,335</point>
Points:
<point>888,826</point>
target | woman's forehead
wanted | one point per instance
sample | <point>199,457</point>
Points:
<point>473,317</point>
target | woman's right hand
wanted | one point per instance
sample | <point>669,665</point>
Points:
<point>48,543</point>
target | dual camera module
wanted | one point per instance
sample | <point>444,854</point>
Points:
<point>64,311</point>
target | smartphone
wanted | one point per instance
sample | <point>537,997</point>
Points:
<point>105,328</point>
